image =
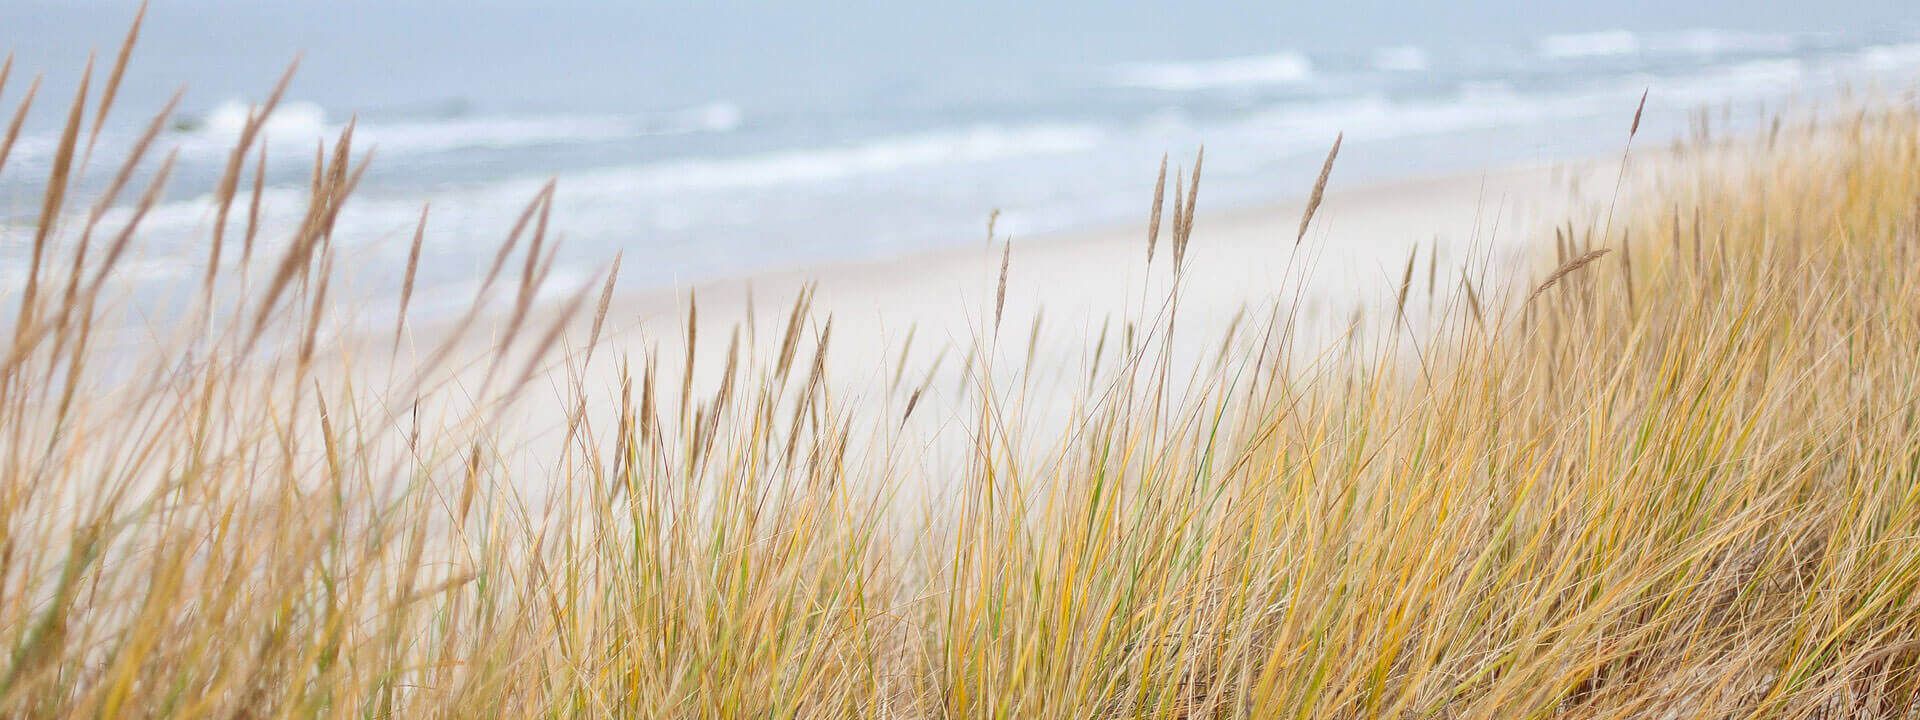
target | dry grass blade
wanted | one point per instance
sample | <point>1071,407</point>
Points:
<point>1033,338</point>
<point>1626,268</point>
<point>236,159</point>
<point>1637,113</point>
<point>789,341</point>
<point>1159,197</point>
<point>1185,234</point>
<point>900,365</point>
<point>52,203</point>
<point>1000,291</point>
<point>535,208</point>
<point>1319,189</point>
<point>113,81</point>
<point>724,396</point>
<point>1569,268</point>
<point>19,119</point>
<point>317,309</point>
<point>117,249</point>
<point>328,196</point>
<point>253,209</point>
<point>819,369</point>
<point>1473,301</point>
<point>913,401</point>
<point>600,312</point>
<point>1406,285</point>
<point>693,343</point>
<point>413,269</point>
<point>484,293</point>
<point>1620,179</point>
<point>533,274</point>
<point>135,155</point>
<point>1433,267</point>
<point>106,200</point>
<point>1179,213</point>
<point>347,178</point>
<point>566,315</point>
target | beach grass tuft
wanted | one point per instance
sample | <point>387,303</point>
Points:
<point>1688,488</point>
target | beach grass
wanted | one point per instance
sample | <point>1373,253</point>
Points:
<point>1673,474</point>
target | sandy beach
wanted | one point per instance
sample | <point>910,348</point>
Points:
<point>918,321</point>
<point>1240,258</point>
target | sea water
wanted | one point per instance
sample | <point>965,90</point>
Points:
<point>725,138</point>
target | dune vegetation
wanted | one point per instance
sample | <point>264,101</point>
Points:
<point>1674,474</point>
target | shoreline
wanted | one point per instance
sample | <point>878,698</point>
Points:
<point>925,316</point>
<point>1353,252</point>
<point>1281,213</point>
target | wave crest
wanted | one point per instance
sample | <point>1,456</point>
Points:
<point>1608,43</point>
<point>1254,71</point>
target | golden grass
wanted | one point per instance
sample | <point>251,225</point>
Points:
<point>1681,486</point>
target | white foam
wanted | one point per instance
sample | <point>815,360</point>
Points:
<point>1697,42</point>
<point>32,149</point>
<point>975,144</point>
<point>600,202</point>
<point>1375,117</point>
<point>301,123</point>
<point>1890,57</point>
<point>480,133</point>
<point>1753,78</point>
<point>289,119</point>
<point>1711,42</point>
<point>1495,104</point>
<point>713,117</point>
<point>1404,58</point>
<point>504,132</point>
<point>1255,71</point>
<point>1609,43</point>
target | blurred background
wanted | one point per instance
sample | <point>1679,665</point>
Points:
<point>720,138</point>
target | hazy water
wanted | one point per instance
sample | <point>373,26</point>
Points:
<point>709,139</point>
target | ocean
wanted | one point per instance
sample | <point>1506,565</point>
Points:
<point>718,139</point>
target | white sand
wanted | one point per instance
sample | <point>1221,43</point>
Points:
<point>1353,257</point>
<point>1354,254</point>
